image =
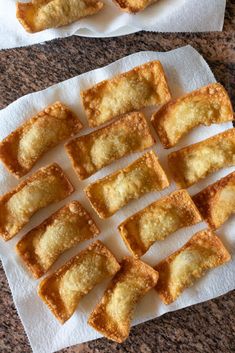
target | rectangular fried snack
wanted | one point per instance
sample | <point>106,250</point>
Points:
<point>134,6</point>
<point>94,151</point>
<point>205,106</point>
<point>158,220</point>
<point>179,271</point>
<point>197,161</point>
<point>63,290</point>
<point>43,245</point>
<point>37,15</point>
<point>23,147</point>
<point>113,315</point>
<point>217,202</point>
<point>110,194</point>
<point>46,186</point>
<point>140,87</point>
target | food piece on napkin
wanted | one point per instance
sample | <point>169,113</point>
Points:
<point>46,186</point>
<point>217,202</point>
<point>179,271</point>
<point>205,106</point>
<point>158,220</point>
<point>43,245</point>
<point>63,290</point>
<point>94,151</point>
<point>113,315</point>
<point>110,194</point>
<point>140,87</point>
<point>38,15</point>
<point>134,6</point>
<point>195,162</point>
<point>20,150</point>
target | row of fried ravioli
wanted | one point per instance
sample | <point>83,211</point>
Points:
<point>39,15</point>
<point>72,224</point>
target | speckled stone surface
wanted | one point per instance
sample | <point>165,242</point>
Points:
<point>205,328</point>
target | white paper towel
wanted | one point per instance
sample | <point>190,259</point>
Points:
<point>186,70</point>
<point>164,16</point>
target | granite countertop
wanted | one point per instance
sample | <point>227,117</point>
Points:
<point>205,328</point>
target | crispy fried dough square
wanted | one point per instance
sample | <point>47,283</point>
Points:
<point>46,186</point>
<point>112,316</point>
<point>43,245</point>
<point>63,290</point>
<point>134,6</point>
<point>217,202</point>
<point>94,151</point>
<point>110,194</point>
<point>179,271</point>
<point>140,87</point>
<point>205,106</point>
<point>197,161</point>
<point>23,147</point>
<point>158,220</point>
<point>37,15</point>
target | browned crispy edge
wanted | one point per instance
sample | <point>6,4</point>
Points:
<point>125,6</point>
<point>25,248</point>
<point>206,236</point>
<point>10,160</point>
<point>53,168</point>
<point>91,113</point>
<point>175,158</point>
<point>149,158</point>
<point>73,150</point>
<point>205,199</point>
<point>98,318</point>
<point>179,197</point>
<point>21,9</point>
<point>158,118</point>
<point>56,304</point>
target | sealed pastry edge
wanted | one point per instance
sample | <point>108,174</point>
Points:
<point>53,166</point>
<point>176,172</point>
<point>103,213</point>
<point>207,236</point>
<point>90,113</point>
<point>99,309</point>
<point>101,248</point>
<point>159,117</point>
<point>13,165</point>
<point>21,17</point>
<point>35,268</point>
<point>138,251</point>
<point>205,199</point>
<point>71,146</point>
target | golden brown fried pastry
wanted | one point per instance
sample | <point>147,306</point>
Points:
<point>195,162</point>
<point>158,220</point>
<point>94,151</point>
<point>217,202</point>
<point>23,147</point>
<point>46,186</point>
<point>110,194</point>
<point>205,106</point>
<point>37,15</point>
<point>134,6</point>
<point>67,227</point>
<point>140,87</point>
<point>112,316</point>
<point>63,290</point>
<point>180,270</point>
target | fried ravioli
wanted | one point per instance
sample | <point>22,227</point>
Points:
<point>110,194</point>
